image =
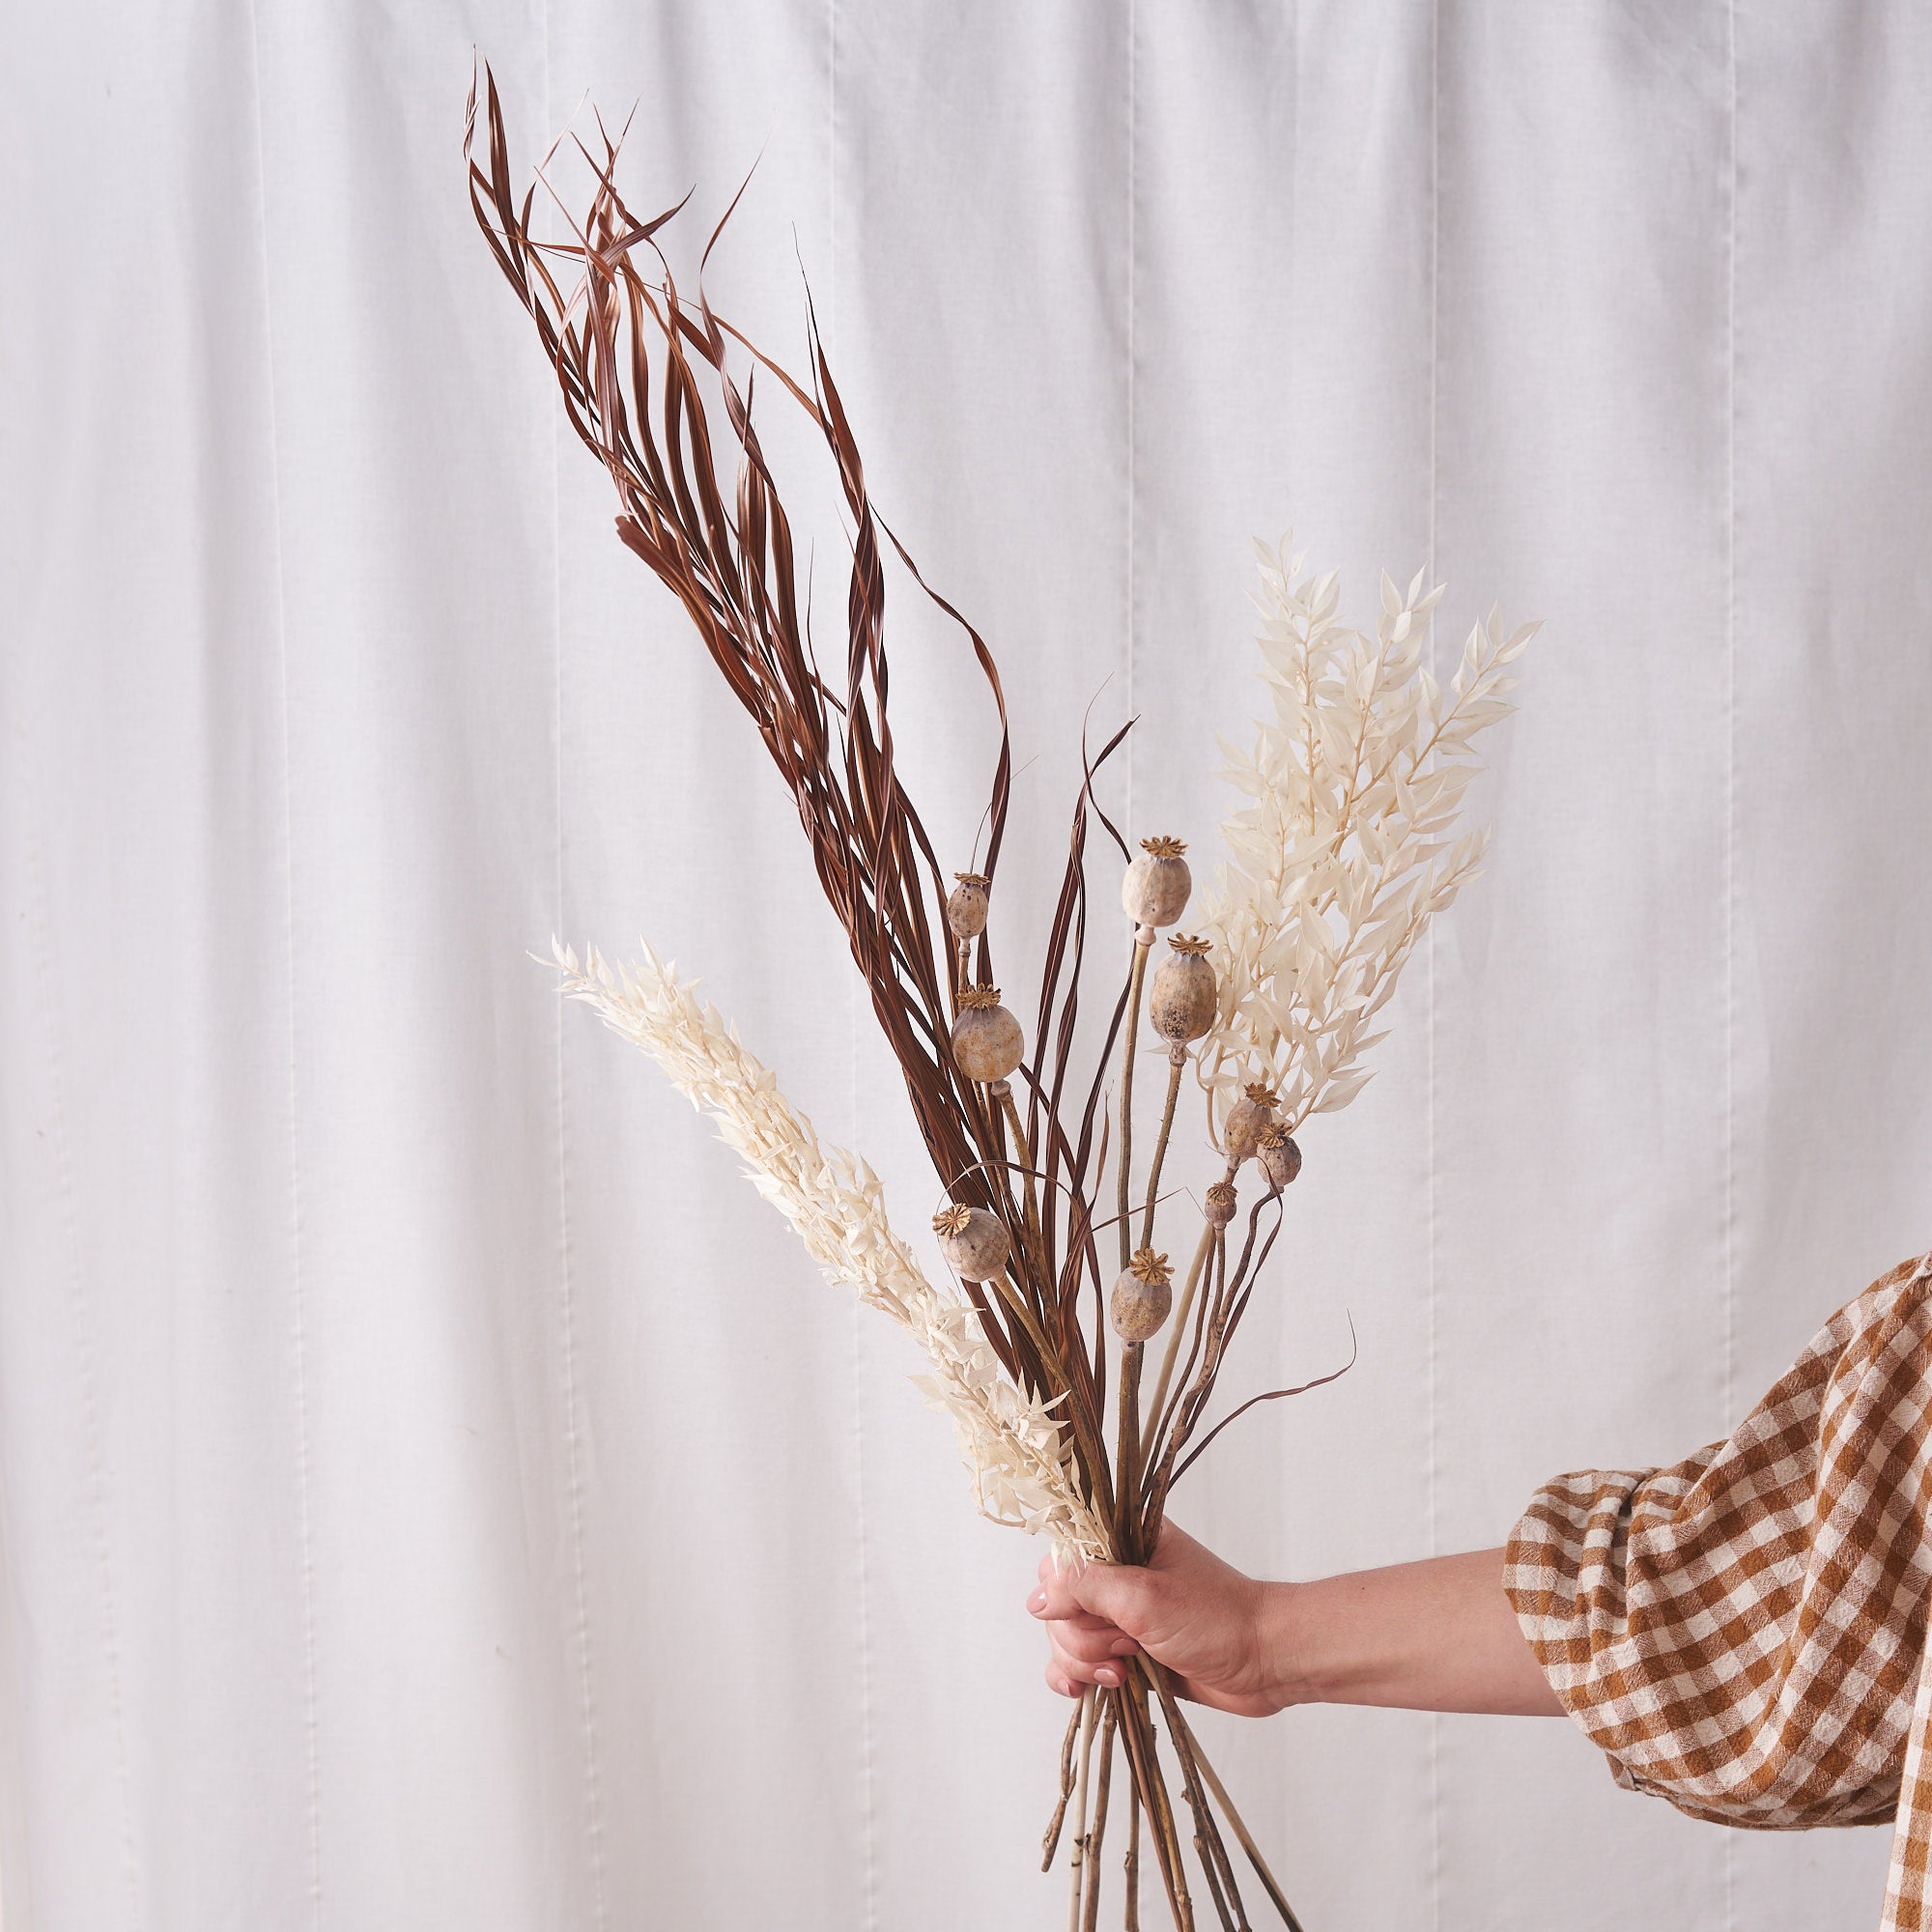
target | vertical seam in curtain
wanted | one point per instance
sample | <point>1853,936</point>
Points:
<point>1434,1752</point>
<point>83,1334</point>
<point>1132,588</point>
<point>593,1805</point>
<point>311,1722</point>
<point>1730,1297</point>
<point>869,1821</point>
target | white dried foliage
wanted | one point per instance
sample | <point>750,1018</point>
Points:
<point>1022,1474</point>
<point>1346,848</point>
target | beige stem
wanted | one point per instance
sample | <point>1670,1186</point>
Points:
<point>1160,1806</point>
<point>1240,1829</point>
<point>1089,1914</point>
<point>1138,973</point>
<point>1024,1314</point>
<point>1035,1236</point>
<point>1077,1857</point>
<point>1050,1840</point>
<point>1208,1847</point>
<point>1126,1460</point>
<point>1178,1063</point>
<point>1182,1313</point>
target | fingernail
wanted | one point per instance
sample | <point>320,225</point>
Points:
<point>1037,1603</point>
<point>1125,1647</point>
<point>1107,1674</point>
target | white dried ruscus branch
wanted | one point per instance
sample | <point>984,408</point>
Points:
<point>1345,850</point>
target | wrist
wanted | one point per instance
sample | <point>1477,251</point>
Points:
<point>1281,1647</point>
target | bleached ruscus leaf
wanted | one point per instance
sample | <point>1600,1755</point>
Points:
<point>1355,778</point>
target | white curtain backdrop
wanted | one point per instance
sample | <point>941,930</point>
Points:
<point>437,1495</point>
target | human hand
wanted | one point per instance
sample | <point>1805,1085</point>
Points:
<point>1215,1630</point>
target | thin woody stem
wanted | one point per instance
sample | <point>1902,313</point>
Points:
<point>1178,1059</point>
<point>1208,1844</point>
<point>1002,1090</point>
<point>1246,1840</point>
<point>1127,1462</point>
<point>1181,1313</point>
<point>1090,1911</point>
<point>1187,1408</point>
<point>1137,973</point>
<point>1160,1807</point>
<point>1034,1334</point>
<point>1205,1838</point>
<point>1126,1503</point>
<point>1137,1736</point>
<point>1050,1839</point>
<point>1130,1865</point>
<point>1162,1419</point>
<point>1077,1859</point>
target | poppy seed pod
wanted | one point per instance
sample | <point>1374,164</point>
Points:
<point>966,905</point>
<point>1278,1158</point>
<point>986,1039</point>
<point>1248,1120</point>
<point>1182,1003</point>
<point>1142,1296</point>
<point>1220,1205</point>
<point>1155,890</point>
<point>975,1243</point>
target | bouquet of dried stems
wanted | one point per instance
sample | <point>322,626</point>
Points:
<point>1342,851</point>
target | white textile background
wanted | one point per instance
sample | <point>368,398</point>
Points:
<point>436,1493</point>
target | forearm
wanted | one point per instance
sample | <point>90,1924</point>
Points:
<point>1436,1635</point>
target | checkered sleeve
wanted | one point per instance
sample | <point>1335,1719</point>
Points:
<point>1740,1633</point>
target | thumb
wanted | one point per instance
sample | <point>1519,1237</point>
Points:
<point>1124,1594</point>
<point>1120,1593</point>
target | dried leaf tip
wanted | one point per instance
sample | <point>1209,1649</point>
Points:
<point>1151,1268</point>
<point>978,999</point>
<point>1164,847</point>
<point>952,1220</point>
<point>1190,947</point>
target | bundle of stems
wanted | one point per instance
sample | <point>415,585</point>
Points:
<point>1040,1352</point>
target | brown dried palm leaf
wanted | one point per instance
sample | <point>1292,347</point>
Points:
<point>648,386</point>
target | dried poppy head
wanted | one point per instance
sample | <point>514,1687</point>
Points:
<point>975,1243</point>
<point>1182,1003</point>
<point>966,905</point>
<point>1155,892</point>
<point>1278,1158</point>
<point>1142,1297</point>
<point>986,1039</point>
<point>1248,1120</point>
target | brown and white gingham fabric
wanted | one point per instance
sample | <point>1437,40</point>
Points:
<point>1743,1633</point>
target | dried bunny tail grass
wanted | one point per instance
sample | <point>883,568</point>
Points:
<point>1014,1446</point>
<point>1346,852</point>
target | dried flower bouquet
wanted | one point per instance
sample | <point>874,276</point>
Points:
<point>1341,852</point>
